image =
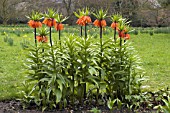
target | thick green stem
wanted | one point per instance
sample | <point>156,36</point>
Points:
<point>81,31</point>
<point>72,74</point>
<point>101,52</point>
<point>35,37</point>
<point>101,48</point>
<point>120,43</point>
<point>121,53</point>
<point>115,35</point>
<point>50,38</point>
<point>59,37</point>
<point>85,31</point>
<point>84,85</point>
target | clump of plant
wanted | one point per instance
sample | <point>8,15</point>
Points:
<point>135,32</point>
<point>76,71</point>
<point>8,40</point>
<point>151,32</point>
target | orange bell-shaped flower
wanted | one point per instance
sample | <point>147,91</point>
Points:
<point>49,22</point>
<point>59,26</point>
<point>34,24</point>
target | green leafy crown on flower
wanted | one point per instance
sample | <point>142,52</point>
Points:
<point>51,13</point>
<point>124,23</point>
<point>43,32</point>
<point>101,14</point>
<point>36,16</point>
<point>59,18</point>
<point>116,17</point>
<point>82,12</point>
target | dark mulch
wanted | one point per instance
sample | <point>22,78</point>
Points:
<point>14,106</point>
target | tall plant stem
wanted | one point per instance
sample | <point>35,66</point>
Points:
<point>120,43</point>
<point>115,35</point>
<point>120,52</point>
<point>85,31</point>
<point>81,31</point>
<point>50,38</point>
<point>84,86</point>
<point>39,83</point>
<point>59,37</point>
<point>101,47</point>
<point>73,79</point>
<point>100,64</point>
<point>35,37</point>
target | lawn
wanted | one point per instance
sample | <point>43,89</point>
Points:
<point>153,50</point>
<point>155,55</point>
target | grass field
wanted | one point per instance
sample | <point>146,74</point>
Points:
<point>153,50</point>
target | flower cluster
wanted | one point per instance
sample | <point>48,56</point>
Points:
<point>83,17</point>
<point>118,23</point>
<point>84,20</point>
<point>51,19</point>
<point>34,24</point>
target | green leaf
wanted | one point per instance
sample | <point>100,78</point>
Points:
<point>92,70</point>
<point>60,85</point>
<point>58,95</point>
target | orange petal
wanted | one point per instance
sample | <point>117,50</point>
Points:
<point>49,22</point>
<point>86,19</point>
<point>59,26</point>
<point>127,36</point>
<point>39,38</point>
<point>103,23</point>
<point>114,25</point>
<point>96,23</point>
<point>121,34</point>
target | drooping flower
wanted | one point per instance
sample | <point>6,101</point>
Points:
<point>83,17</point>
<point>100,23</point>
<point>59,19</point>
<point>34,24</point>
<point>49,22</point>
<point>124,34</point>
<point>50,16</point>
<point>42,39</point>
<point>114,25</point>
<point>121,33</point>
<point>115,18</point>
<point>59,26</point>
<point>80,22</point>
<point>42,35</point>
<point>34,20</point>
<point>127,36</point>
<point>86,19</point>
<point>124,29</point>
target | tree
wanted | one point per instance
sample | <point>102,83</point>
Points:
<point>14,9</point>
<point>8,9</point>
<point>156,12</point>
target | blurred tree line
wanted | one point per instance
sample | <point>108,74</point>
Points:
<point>142,12</point>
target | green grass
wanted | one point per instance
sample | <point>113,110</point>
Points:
<point>155,54</point>
<point>153,50</point>
<point>10,68</point>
